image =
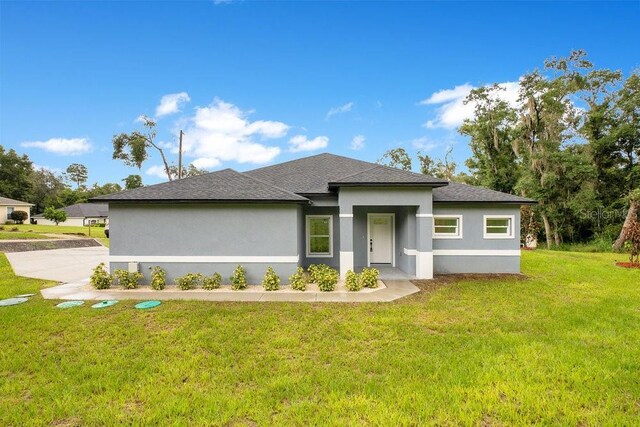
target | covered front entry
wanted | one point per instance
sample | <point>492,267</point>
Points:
<point>381,238</point>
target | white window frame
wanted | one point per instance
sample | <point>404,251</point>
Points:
<point>458,234</point>
<point>307,233</point>
<point>511,233</point>
<point>13,209</point>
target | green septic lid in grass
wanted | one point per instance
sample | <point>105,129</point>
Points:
<point>147,304</point>
<point>69,304</point>
<point>24,295</point>
<point>103,304</point>
<point>12,301</point>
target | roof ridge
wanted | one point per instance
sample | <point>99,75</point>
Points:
<point>269,184</point>
<point>310,157</point>
<point>357,173</point>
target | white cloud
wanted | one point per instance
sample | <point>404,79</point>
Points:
<point>452,110</point>
<point>423,144</point>
<point>171,103</point>
<point>62,146</point>
<point>301,143</point>
<point>47,168</point>
<point>357,143</point>
<point>206,163</point>
<point>222,132</point>
<point>157,170</point>
<point>339,110</point>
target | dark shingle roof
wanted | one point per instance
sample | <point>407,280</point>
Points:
<point>84,210</point>
<point>224,185</point>
<point>312,175</point>
<point>384,175</point>
<point>456,192</point>
<point>8,201</point>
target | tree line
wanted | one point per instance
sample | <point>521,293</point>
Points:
<point>21,180</point>
<point>571,142</point>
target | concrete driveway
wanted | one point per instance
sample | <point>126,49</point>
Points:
<point>62,265</point>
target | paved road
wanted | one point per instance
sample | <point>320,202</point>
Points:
<point>62,265</point>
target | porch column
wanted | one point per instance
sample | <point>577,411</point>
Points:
<point>346,242</point>
<point>424,245</point>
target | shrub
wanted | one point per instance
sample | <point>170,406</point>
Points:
<point>271,281</point>
<point>189,281</point>
<point>127,280</point>
<point>19,216</point>
<point>369,277</point>
<point>326,278</point>
<point>314,269</point>
<point>212,282</point>
<point>352,281</point>
<point>1,227</point>
<point>299,280</point>
<point>238,279</point>
<point>15,229</point>
<point>100,278</point>
<point>158,278</point>
<point>55,215</point>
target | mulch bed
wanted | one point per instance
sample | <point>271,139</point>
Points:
<point>628,264</point>
<point>35,245</point>
<point>441,280</point>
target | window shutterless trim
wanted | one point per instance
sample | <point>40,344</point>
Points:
<point>308,236</point>
<point>510,228</point>
<point>457,235</point>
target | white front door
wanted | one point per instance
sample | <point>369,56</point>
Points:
<point>381,239</point>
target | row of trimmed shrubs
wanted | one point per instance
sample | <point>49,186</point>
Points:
<point>322,275</point>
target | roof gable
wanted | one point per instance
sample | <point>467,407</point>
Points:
<point>8,201</point>
<point>385,175</point>
<point>223,185</point>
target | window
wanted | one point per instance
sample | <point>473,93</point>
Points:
<point>319,236</point>
<point>447,226</point>
<point>498,226</point>
<point>9,212</point>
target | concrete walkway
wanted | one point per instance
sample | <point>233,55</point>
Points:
<point>81,290</point>
<point>61,265</point>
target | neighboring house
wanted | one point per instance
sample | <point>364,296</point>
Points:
<point>80,214</point>
<point>9,205</point>
<point>327,209</point>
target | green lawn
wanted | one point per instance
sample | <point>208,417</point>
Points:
<point>560,348</point>
<point>58,229</point>
<point>15,235</point>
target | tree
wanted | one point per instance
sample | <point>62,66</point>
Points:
<point>19,216</point>
<point>55,215</point>
<point>132,148</point>
<point>492,132</point>
<point>547,117</point>
<point>46,189</point>
<point>632,214</point>
<point>188,171</point>
<point>632,239</point>
<point>15,172</point>
<point>442,168</point>
<point>132,181</point>
<point>77,173</point>
<point>396,158</point>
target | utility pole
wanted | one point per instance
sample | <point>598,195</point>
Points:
<point>180,156</point>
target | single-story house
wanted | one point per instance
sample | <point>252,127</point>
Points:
<point>7,206</point>
<point>326,209</point>
<point>80,214</point>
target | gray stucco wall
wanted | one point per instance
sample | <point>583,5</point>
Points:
<point>181,230</point>
<point>473,239</point>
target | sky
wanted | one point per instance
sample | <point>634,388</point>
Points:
<point>256,83</point>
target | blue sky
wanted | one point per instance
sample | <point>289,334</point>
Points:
<point>255,83</point>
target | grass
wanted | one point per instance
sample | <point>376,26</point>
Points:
<point>15,235</point>
<point>560,347</point>
<point>60,229</point>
